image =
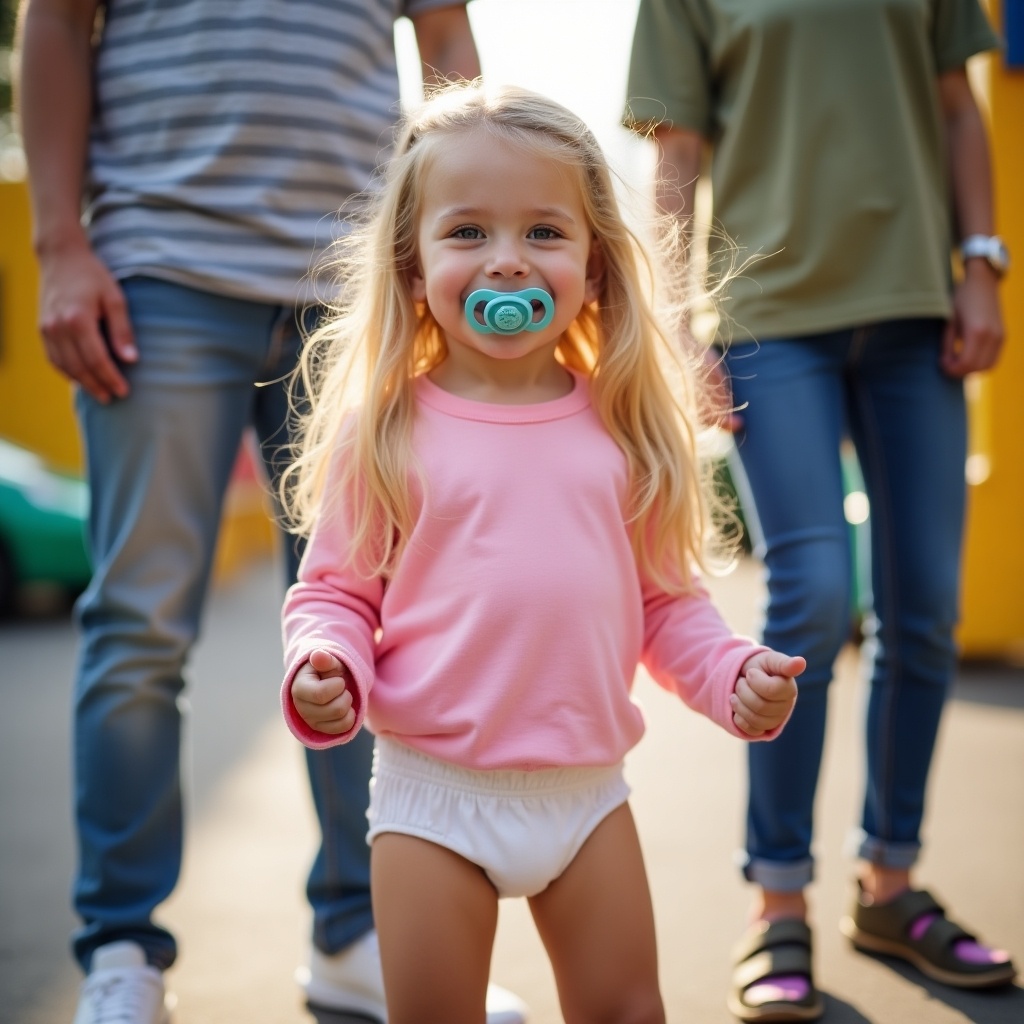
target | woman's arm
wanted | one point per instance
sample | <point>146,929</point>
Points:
<point>974,336</point>
<point>679,158</point>
<point>680,154</point>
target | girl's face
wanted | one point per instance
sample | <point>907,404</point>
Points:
<point>500,217</point>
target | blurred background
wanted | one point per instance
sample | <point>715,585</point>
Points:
<point>246,782</point>
<point>576,51</point>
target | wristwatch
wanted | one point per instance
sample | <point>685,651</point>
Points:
<point>990,248</point>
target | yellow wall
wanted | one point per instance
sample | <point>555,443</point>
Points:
<point>993,586</point>
<point>36,407</point>
<point>35,401</point>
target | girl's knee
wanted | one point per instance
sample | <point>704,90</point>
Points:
<point>646,1009</point>
<point>637,1006</point>
<point>641,1007</point>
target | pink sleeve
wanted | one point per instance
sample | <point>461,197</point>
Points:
<point>689,650</point>
<point>332,607</point>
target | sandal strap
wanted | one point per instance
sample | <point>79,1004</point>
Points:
<point>770,963</point>
<point>893,919</point>
<point>771,948</point>
<point>938,940</point>
<point>766,935</point>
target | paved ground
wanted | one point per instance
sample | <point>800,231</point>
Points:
<point>239,910</point>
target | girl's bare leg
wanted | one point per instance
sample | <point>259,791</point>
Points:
<point>597,924</point>
<point>436,914</point>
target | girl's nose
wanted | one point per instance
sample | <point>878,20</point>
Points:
<point>506,260</point>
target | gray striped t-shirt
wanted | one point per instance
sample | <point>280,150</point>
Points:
<point>227,133</point>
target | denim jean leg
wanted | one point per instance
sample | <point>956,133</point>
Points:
<point>792,394</point>
<point>158,465</point>
<point>338,887</point>
<point>909,423</point>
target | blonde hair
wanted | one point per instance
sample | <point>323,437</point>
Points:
<point>358,368</point>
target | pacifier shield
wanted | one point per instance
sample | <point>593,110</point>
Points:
<point>508,312</point>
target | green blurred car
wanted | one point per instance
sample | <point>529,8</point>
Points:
<point>42,526</point>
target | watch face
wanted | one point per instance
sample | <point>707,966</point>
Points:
<point>992,249</point>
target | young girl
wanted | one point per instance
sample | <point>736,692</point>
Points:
<point>503,498</point>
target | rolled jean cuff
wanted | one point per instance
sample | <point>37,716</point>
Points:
<point>882,852</point>
<point>777,876</point>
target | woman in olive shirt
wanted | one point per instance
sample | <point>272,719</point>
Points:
<point>837,130</point>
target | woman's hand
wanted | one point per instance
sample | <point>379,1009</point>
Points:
<point>974,337</point>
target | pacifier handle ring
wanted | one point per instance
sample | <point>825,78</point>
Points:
<point>514,307</point>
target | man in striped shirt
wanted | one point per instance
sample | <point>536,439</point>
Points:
<point>210,144</point>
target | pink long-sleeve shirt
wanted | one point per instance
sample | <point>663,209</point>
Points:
<point>510,632</point>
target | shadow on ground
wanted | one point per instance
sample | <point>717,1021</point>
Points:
<point>1003,1005</point>
<point>991,683</point>
<point>839,1011</point>
<point>330,1017</point>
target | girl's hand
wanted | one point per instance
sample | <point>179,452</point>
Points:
<point>321,694</point>
<point>765,692</point>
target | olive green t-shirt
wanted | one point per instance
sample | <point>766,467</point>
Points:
<point>828,160</point>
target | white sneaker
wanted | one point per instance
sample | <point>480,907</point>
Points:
<point>121,988</point>
<point>352,981</point>
<point>504,1007</point>
<point>347,981</point>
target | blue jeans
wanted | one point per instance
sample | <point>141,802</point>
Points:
<point>880,385</point>
<point>159,463</point>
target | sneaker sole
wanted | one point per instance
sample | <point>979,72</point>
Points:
<point>776,1011</point>
<point>324,998</point>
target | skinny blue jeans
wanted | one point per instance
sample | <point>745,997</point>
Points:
<point>159,463</point>
<point>881,385</point>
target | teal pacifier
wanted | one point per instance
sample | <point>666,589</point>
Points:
<point>508,312</point>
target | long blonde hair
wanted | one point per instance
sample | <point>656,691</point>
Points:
<point>358,368</point>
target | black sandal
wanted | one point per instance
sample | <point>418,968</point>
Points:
<point>885,928</point>
<point>770,949</point>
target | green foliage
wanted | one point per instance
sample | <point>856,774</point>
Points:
<point>7,12</point>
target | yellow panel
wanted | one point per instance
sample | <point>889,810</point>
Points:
<point>993,586</point>
<point>35,401</point>
<point>36,406</point>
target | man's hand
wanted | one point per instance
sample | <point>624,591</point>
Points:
<point>765,692</point>
<point>321,694</point>
<point>78,299</point>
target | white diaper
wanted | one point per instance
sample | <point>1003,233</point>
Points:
<point>522,828</point>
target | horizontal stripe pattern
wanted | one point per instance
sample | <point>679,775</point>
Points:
<point>227,134</point>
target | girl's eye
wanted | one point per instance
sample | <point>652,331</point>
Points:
<point>467,231</point>
<point>542,233</point>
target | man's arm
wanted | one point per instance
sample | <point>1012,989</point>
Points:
<point>445,41</point>
<point>974,336</point>
<point>77,292</point>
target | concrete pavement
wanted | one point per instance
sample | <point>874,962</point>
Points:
<point>239,910</point>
